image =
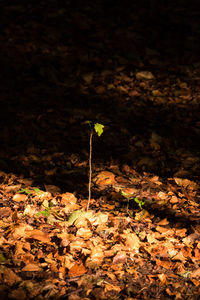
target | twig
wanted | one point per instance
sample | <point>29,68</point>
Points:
<point>90,171</point>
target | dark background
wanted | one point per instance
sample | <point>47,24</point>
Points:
<point>46,47</point>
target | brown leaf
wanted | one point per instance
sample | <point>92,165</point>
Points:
<point>105,178</point>
<point>111,287</point>
<point>38,235</point>
<point>100,89</point>
<point>144,75</point>
<point>132,240</point>
<point>77,270</point>
<point>195,273</point>
<point>95,259</point>
<point>186,183</point>
<point>119,258</point>
<point>163,222</point>
<point>88,77</point>
<point>5,212</point>
<point>163,279</point>
<point>32,268</point>
<point>8,276</point>
<point>68,198</point>
<point>20,197</point>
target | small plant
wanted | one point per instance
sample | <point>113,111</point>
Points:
<point>98,128</point>
<point>140,203</point>
<point>45,213</point>
<point>25,191</point>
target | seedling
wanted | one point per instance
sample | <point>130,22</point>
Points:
<point>140,203</point>
<point>98,128</point>
<point>25,191</point>
<point>45,213</point>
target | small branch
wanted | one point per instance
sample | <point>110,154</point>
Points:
<point>90,171</point>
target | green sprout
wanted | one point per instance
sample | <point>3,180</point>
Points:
<point>140,203</point>
<point>25,191</point>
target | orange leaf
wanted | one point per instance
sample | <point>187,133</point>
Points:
<point>77,270</point>
<point>119,258</point>
<point>111,287</point>
<point>9,277</point>
<point>195,273</point>
<point>20,197</point>
<point>163,222</point>
<point>85,233</point>
<point>68,198</point>
<point>163,278</point>
<point>105,178</point>
<point>38,235</point>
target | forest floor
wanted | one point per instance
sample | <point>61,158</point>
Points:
<point>135,69</point>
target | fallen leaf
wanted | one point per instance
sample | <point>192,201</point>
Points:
<point>32,268</point>
<point>85,233</point>
<point>20,197</point>
<point>105,178</point>
<point>68,198</point>
<point>119,258</point>
<point>195,273</point>
<point>144,75</point>
<point>163,279</point>
<point>132,240</point>
<point>100,89</point>
<point>95,259</point>
<point>77,270</point>
<point>8,276</point>
<point>110,287</point>
<point>5,212</point>
<point>88,77</point>
<point>38,235</point>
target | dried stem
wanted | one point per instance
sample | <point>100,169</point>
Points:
<point>90,171</point>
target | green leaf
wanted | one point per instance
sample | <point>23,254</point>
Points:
<point>98,128</point>
<point>45,213</point>
<point>139,202</point>
<point>26,191</point>
<point>37,190</point>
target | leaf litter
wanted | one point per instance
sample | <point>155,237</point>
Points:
<point>141,237</point>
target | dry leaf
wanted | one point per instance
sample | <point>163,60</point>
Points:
<point>195,273</point>
<point>105,178</point>
<point>68,198</point>
<point>95,259</point>
<point>88,77</point>
<point>38,235</point>
<point>20,197</point>
<point>163,279</point>
<point>100,89</point>
<point>8,276</point>
<point>5,212</point>
<point>144,75</point>
<point>32,268</point>
<point>119,258</point>
<point>85,233</point>
<point>77,270</point>
<point>110,287</point>
<point>132,240</point>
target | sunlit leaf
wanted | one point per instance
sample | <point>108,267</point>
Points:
<point>98,128</point>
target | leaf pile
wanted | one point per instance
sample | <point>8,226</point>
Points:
<point>51,248</point>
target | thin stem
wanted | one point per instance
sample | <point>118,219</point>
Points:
<point>90,172</point>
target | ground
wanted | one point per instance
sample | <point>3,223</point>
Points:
<point>134,68</point>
